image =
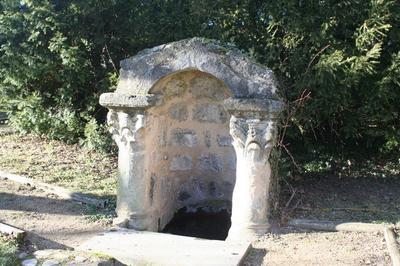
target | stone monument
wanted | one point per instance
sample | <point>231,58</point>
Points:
<point>195,123</point>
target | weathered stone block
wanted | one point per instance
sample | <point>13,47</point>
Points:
<point>224,141</point>
<point>198,188</point>
<point>231,162</point>
<point>178,112</point>
<point>167,188</point>
<point>209,113</point>
<point>183,137</point>
<point>227,188</point>
<point>207,138</point>
<point>181,163</point>
<point>183,196</point>
<point>212,188</point>
<point>174,87</point>
<point>216,190</point>
<point>208,87</point>
<point>162,138</point>
<point>211,162</point>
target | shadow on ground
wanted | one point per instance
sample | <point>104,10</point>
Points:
<point>50,222</point>
<point>37,242</point>
<point>51,205</point>
<point>346,199</point>
<point>255,256</point>
<point>30,203</point>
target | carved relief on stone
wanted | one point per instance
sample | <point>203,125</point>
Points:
<point>252,137</point>
<point>126,129</point>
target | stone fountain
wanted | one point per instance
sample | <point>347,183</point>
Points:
<point>195,123</point>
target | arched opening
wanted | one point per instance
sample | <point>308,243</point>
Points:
<point>190,161</point>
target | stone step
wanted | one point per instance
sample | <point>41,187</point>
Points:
<point>149,248</point>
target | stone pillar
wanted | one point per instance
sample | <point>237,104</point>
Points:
<point>253,127</point>
<point>127,129</point>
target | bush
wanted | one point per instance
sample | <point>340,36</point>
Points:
<point>343,57</point>
<point>30,115</point>
<point>96,137</point>
<point>51,70</point>
<point>8,252</point>
<point>57,57</point>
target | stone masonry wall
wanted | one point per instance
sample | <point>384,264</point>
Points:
<point>190,157</point>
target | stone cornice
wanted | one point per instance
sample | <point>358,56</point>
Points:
<point>121,101</point>
<point>242,107</point>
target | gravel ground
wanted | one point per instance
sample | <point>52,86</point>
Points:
<point>319,248</point>
<point>49,221</point>
<point>55,223</point>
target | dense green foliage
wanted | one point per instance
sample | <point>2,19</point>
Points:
<point>343,57</point>
<point>8,252</point>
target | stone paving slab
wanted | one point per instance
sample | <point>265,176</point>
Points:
<point>149,248</point>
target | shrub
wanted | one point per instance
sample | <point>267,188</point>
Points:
<point>8,252</point>
<point>96,137</point>
<point>57,57</point>
<point>344,55</point>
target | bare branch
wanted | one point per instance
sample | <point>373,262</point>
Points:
<point>315,56</point>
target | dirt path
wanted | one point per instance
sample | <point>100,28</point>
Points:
<point>50,222</point>
<point>319,248</point>
<point>363,199</point>
<point>56,223</point>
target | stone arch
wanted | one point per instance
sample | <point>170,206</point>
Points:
<point>224,89</point>
<point>253,106</point>
<point>244,77</point>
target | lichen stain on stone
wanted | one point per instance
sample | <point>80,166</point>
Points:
<point>151,191</point>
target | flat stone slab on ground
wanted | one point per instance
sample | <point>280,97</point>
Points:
<point>133,247</point>
<point>53,257</point>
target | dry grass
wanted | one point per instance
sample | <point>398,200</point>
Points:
<point>51,161</point>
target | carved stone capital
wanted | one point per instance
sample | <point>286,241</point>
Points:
<point>253,138</point>
<point>126,128</point>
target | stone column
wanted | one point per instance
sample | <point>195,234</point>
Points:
<point>127,120</point>
<point>253,127</point>
<point>127,129</point>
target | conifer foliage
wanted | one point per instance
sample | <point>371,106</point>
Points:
<point>57,57</point>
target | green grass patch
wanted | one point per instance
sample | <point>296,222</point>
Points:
<point>8,252</point>
<point>103,215</point>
